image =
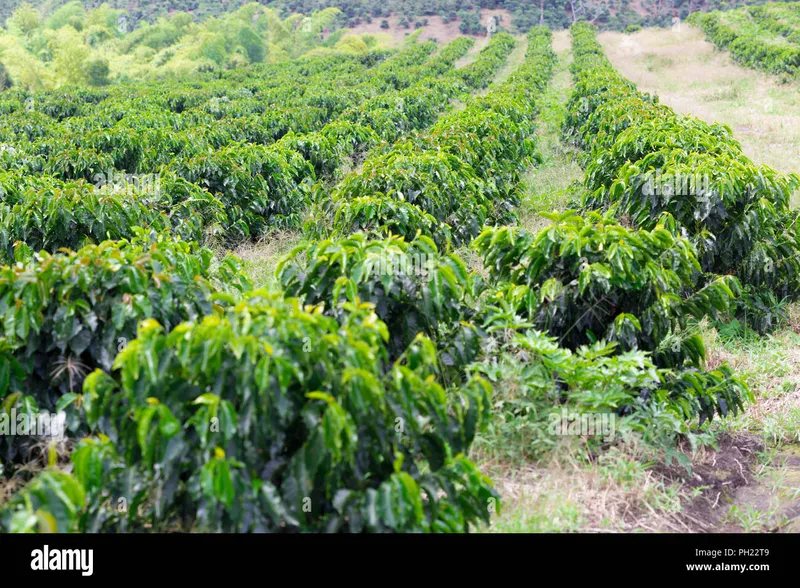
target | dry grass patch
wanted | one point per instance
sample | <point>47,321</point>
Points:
<point>770,365</point>
<point>620,491</point>
<point>261,258</point>
<point>694,78</point>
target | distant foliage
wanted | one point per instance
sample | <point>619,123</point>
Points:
<point>97,72</point>
<point>95,45</point>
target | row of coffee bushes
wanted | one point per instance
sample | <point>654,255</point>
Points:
<point>587,314</point>
<point>63,211</point>
<point>39,212</point>
<point>328,84</point>
<point>386,236</point>
<point>748,46</point>
<point>386,230</point>
<point>266,417</point>
<point>593,284</point>
<point>780,18</point>
<point>47,214</point>
<point>215,111</point>
<point>233,191</point>
<point>272,186</point>
<point>231,409</point>
<point>139,134</point>
<point>653,166</point>
<point>451,180</point>
<point>593,318</point>
<point>254,414</point>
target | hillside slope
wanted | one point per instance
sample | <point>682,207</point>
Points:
<point>611,14</point>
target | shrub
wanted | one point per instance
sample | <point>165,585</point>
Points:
<point>5,79</point>
<point>543,389</point>
<point>46,214</point>
<point>380,215</point>
<point>412,287</point>
<point>749,48</point>
<point>645,161</point>
<point>76,309</point>
<point>462,174</point>
<point>259,186</point>
<point>438,183</point>
<point>97,71</point>
<point>478,74</point>
<point>589,279</point>
<point>313,435</point>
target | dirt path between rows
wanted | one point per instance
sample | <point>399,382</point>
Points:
<point>741,487</point>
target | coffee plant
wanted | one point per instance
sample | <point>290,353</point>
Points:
<point>586,278</point>
<point>411,286</point>
<point>542,388</point>
<point>270,417</point>
<point>68,313</point>
<point>462,173</point>
<point>255,159</point>
<point>48,214</point>
<point>747,43</point>
<point>645,161</point>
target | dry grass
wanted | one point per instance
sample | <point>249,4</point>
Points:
<point>48,453</point>
<point>692,77</point>
<point>472,53</point>
<point>562,43</point>
<point>770,366</point>
<point>261,258</point>
<point>617,493</point>
<point>514,60</point>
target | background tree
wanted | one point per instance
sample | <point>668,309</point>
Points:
<point>96,71</point>
<point>25,19</point>
<point>5,78</point>
<point>69,54</point>
<point>252,44</point>
<point>71,14</point>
